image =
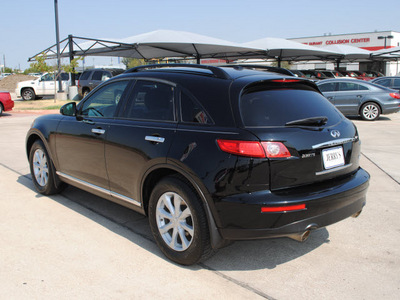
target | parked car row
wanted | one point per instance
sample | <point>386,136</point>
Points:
<point>325,74</point>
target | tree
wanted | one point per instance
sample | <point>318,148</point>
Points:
<point>71,68</point>
<point>132,62</point>
<point>40,65</point>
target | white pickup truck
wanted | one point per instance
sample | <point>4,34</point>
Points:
<point>42,86</point>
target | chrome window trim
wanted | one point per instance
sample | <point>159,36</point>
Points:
<point>99,189</point>
<point>334,142</point>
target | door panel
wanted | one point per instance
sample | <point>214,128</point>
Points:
<point>80,150</point>
<point>80,140</point>
<point>141,138</point>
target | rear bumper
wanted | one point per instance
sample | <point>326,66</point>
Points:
<point>8,105</point>
<point>326,203</point>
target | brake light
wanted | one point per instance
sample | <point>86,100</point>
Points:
<point>285,80</point>
<point>254,149</point>
<point>283,208</point>
<point>395,95</point>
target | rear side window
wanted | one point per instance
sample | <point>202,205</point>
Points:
<point>85,75</point>
<point>192,112</point>
<point>276,107</point>
<point>350,86</point>
<point>396,84</point>
<point>97,75</point>
<point>383,82</point>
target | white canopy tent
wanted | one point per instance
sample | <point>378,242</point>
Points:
<point>158,44</point>
<point>282,49</point>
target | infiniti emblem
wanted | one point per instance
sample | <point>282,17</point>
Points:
<point>335,133</point>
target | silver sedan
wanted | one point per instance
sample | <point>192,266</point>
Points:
<point>357,97</point>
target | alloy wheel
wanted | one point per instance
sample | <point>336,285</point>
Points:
<point>370,112</point>
<point>40,167</point>
<point>174,221</point>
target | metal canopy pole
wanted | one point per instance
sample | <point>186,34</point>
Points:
<point>71,57</point>
<point>58,46</point>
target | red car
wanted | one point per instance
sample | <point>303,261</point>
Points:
<point>5,102</point>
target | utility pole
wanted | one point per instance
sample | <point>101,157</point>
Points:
<point>58,47</point>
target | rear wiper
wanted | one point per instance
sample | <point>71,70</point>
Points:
<point>314,121</point>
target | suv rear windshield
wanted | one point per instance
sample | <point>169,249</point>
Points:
<point>261,107</point>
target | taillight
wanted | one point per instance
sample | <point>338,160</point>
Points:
<point>275,149</point>
<point>395,95</point>
<point>78,82</point>
<point>254,149</point>
<point>243,148</point>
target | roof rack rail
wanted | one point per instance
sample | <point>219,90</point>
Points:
<point>217,72</point>
<point>261,67</point>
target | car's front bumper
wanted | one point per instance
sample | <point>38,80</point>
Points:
<point>325,204</point>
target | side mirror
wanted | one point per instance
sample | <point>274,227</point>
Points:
<point>68,109</point>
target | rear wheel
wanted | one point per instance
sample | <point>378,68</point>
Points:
<point>42,170</point>
<point>1,109</point>
<point>370,111</point>
<point>28,94</point>
<point>178,222</point>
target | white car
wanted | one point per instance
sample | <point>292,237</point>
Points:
<point>42,86</point>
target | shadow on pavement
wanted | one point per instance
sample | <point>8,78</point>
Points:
<point>240,256</point>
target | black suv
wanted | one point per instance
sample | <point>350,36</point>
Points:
<point>210,154</point>
<point>93,77</point>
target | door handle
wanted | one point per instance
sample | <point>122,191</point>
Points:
<point>154,139</point>
<point>330,98</point>
<point>98,131</point>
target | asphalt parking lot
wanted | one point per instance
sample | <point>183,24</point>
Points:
<point>76,245</point>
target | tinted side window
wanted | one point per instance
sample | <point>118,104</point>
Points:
<point>104,102</point>
<point>396,84</point>
<point>350,86</point>
<point>64,76</point>
<point>192,112</point>
<point>327,87</point>
<point>85,75</point>
<point>151,101</point>
<point>384,82</point>
<point>97,75</point>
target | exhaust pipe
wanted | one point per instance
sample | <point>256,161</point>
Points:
<point>356,214</point>
<point>300,237</point>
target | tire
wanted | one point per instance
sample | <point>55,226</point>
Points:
<point>43,172</point>
<point>370,111</point>
<point>28,94</point>
<point>182,235</point>
<point>85,93</point>
<point>1,109</point>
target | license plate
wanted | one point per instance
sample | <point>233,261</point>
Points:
<point>333,157</point>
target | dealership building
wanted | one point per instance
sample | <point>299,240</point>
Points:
<point>371,41</point>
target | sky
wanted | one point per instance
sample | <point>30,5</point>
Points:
<point>28,27</point>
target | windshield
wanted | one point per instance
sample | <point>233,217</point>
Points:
<point>277,107</point>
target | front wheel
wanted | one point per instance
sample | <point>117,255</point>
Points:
<point>178,222</point>
<point>28,94</point>
<point>1,109</point>
<point>42,170</point>
<point>370,111</point>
